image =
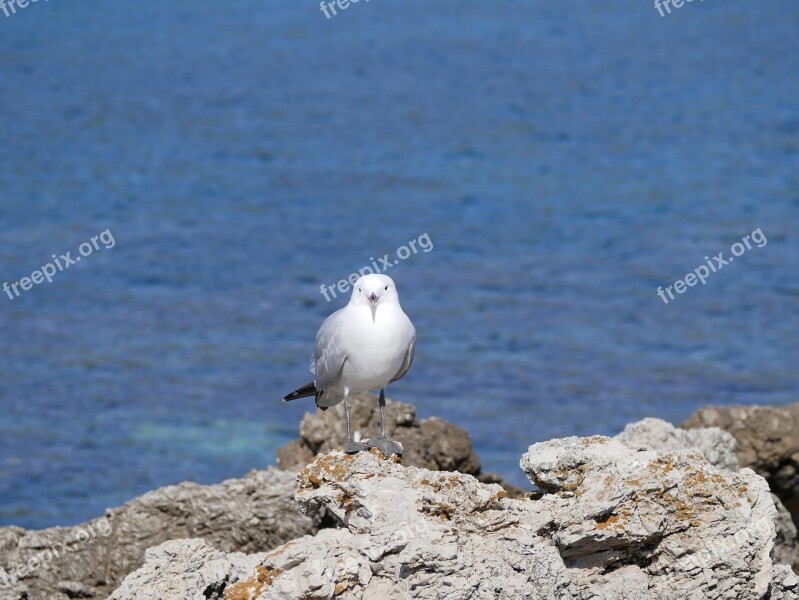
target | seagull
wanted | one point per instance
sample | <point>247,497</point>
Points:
<point>364,346</point>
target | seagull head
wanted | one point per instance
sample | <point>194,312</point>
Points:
<point>374,290</point>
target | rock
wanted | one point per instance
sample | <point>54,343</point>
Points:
<point>185,569</point>
<point>767,437</point>
<point>785,584</point>
<point>718,447</point>
<point>432,443</point>
<point>252,514</point>
<point>786,545</point>
<point>255,513</point>
<point>613,523</point>
<point>681,527</point>
<point>407,532</point>
<point>12,590</point>
<point>767,441</point>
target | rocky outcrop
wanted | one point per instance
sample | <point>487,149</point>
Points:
<point>639,516</point>
<point>785,584</point>
<point>767,441</point>
<point>786,545</point>
<point>186,569</point>
<point>656,524</point>
<point>251,514</point>
<point>432,443</point>
<point>613,522</point>
<point>718,447</point>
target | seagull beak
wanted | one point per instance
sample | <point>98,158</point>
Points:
<point>373,298</point>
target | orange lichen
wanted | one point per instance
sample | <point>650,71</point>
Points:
<point>607,522</point>
<point>330,467</point>
<point>594,439</point>
<point>433,484</point>
<point>252,587</point>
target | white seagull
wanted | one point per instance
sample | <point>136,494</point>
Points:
<point>365,345</point>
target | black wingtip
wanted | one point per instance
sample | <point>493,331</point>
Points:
<point>309,389</point>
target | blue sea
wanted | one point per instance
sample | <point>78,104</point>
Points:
<point>563,160</point>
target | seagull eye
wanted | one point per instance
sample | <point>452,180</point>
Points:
<point>386,287</point>
<point>359,289</point>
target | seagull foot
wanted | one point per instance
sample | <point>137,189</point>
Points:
<point>385,445</point>
<point>355,447</point>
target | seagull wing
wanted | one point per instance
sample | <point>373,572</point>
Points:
<point>406,364</point>
<point>329,356</point>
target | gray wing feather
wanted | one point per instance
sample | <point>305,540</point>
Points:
<point>406,364</point>
<point>328,355</point>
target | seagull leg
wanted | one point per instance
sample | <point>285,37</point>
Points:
<point>381,442</point>
<point>351,446</point>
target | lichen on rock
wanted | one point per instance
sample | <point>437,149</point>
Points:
<point>613,523</point>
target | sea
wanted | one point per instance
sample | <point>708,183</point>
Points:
<point>530,173</point>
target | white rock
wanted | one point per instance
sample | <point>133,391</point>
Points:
<point>717,445</point>
<point>186,570</point>
<point>615,523</point>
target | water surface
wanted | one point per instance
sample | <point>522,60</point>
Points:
<point>565,160</point>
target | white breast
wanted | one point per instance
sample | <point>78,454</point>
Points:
<point>375,349</point>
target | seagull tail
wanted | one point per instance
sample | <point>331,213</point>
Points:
<point>309,389</point>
